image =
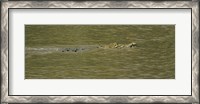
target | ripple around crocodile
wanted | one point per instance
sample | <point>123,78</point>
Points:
<point>70,48</point>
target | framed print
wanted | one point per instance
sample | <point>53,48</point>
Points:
<point>100,52</point>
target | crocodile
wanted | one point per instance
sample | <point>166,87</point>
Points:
<point>116,45</point>
<point>109,46</point>
<point>81,48</point>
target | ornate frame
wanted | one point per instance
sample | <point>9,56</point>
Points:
<point>5,98</point>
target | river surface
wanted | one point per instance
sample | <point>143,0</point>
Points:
<point>51,52</point>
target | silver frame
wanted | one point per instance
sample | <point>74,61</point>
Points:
<point>194,98</point>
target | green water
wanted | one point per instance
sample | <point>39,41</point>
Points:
<point>153,58</point>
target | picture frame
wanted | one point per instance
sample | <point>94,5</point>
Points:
<point>5,22</point>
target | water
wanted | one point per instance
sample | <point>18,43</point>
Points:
<point>153,58</point>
